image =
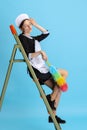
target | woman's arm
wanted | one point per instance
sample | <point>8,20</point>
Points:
<point>35,54</point>
<point>35,24</point>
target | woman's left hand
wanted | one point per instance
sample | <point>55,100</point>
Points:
<point>44,56</point>
<point>32,21</point>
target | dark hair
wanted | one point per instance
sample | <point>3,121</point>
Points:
<point>22,23</point>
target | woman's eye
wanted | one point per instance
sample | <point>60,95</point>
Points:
<point>27,26</point>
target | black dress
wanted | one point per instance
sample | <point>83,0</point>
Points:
<point>29,47</point>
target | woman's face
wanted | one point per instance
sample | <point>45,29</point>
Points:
<point>26,27</point>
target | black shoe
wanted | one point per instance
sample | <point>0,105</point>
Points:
<point>51,103</point>
<point>59,120</point>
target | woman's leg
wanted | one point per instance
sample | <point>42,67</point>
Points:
<point>56,93</point>
<point>64,73</point>
<point>55,97</point>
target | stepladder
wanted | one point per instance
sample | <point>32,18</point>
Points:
<point>25,59</point>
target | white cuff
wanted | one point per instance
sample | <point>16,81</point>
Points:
<point>29,56</point>
<point>46,32</point>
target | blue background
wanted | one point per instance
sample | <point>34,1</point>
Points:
<point>66,48</point>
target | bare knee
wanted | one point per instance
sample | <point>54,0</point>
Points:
<point>63,72</point>
<point>66,73</point>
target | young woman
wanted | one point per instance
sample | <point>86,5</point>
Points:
<point>37,58</point>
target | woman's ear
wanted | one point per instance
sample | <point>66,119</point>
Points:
<point>22,29</point>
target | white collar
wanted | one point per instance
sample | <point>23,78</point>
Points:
<point>28,36</point>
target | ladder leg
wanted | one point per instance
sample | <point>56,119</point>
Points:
<point>59,127</point>
<point>7,76</point>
